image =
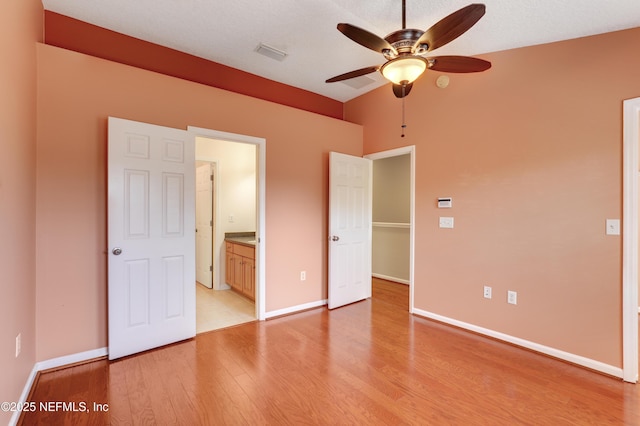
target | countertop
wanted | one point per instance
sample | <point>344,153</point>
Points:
<point>244,238</point>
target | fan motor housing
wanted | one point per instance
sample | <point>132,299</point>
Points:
<point>403,40</point>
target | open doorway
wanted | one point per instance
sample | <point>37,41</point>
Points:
<point>392,226</point>
<point>231,209</point>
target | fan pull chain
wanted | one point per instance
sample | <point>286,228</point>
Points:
<point>404,126</point>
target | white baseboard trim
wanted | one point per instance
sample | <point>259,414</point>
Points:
<point>389,278</point>
<point>54,363</point>
<point>553,352</point>
<point>294,309</point>
<point>71,359</point>
<point>25,394</point>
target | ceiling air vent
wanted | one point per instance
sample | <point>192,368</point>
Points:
<point>359,82</point>
<point>271,52</point>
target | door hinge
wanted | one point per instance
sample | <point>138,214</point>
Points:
<point>210,268</point>
<point>211,178</point>
<point>211,223</point>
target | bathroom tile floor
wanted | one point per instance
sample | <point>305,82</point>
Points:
<point>221,308</point>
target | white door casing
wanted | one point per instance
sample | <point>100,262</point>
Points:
<point>261,146</point>
<point>151,219</point>
<point>204,225</point>
<point>630,238</point>
<point>350,210</point>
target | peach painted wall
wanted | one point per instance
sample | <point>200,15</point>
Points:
<point>531,152</point>
<point>76,94</point>
<point>20,29</point>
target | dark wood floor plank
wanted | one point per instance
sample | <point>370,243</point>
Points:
<point>367,363</point>
<point>161,404</point>
<point>174,365</point>
<point>140,398</point>
<point>119,404</point>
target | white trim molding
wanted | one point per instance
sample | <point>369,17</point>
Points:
<point>630,195</point>
<point>71,359</point>
<point>294,309</point>
<point>391,225</point>
<point>553,352</point>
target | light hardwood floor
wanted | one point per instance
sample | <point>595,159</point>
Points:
<point>217,309</point>
<point>367,363</point>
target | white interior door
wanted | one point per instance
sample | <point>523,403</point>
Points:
<point>151,218</point>
<point>204,225</point>
<point>349,229</point>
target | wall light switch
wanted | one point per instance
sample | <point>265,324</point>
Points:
<point>613,226</point>
<point>446,222</point>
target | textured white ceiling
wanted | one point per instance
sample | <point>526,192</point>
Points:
<point>228,31</point>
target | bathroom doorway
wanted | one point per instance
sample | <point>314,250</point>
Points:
<point>234,208</point>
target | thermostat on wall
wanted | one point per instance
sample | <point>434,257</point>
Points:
<point>444,203</point>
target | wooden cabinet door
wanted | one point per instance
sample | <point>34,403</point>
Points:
<point>240,272</point>
<point>228,274</point>
<point>248,277</point>
<point>236,283</point>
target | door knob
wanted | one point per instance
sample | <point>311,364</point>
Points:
<point>335,238</point>
<point>116,251</point>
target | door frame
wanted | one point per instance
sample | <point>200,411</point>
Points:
<point>411,150</point>
<point>630,237</point>
<point>261,148</point>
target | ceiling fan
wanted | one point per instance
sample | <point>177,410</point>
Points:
<point>403,49</point>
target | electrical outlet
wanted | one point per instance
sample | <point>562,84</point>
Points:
<point>445,222</point>
<point>487,292</point>
<point>303,275</point>
<point>512,297</point>
<point>18,344</point>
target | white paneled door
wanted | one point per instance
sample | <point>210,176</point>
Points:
<point>151,238</point>
<point>350,210</point>
<point>204,225</point>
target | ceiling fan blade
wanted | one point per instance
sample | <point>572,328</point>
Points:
<point>365,38</point>
<point>451,27</point>
<point>352,74</point>
<point>458,64</point>
<point>397,90</point>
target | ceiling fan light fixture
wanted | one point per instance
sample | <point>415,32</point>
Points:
<point>404,70</point>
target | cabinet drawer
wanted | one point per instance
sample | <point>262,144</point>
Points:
<point>244,251</point>
<point>229,246</point>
